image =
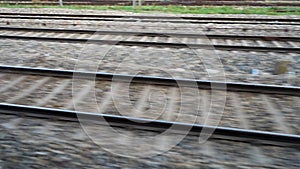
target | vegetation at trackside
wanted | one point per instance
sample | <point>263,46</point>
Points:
<point>180,9</point>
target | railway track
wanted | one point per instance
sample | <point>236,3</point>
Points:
<point>172,40</point>
<point>230,25</point>
<point>258,119</point>
<point>47,125</point>
<point>150,34</point>
<point>205,29</point>
<point>153,19</point>
<point>249,106</point>
<point>268,138</point>
<point>158,2</point>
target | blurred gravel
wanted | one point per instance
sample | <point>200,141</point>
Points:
<point>41,143</point>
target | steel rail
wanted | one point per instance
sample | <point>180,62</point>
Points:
<point>158,44</point>
<point>201,84</point>
<point>235,134</point>
<point>158,17</point>
<point>166,34</point>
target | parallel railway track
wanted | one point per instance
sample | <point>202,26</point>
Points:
<point>172,40</point>
<point>207,29</point>
<point>250,107</point>
<point>151,34</point>
<point>242,133</point>
<point>259,137</point>
<point>161,19</point>
<point>202,84</point>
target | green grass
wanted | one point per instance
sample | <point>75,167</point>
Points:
<point>182,9</point>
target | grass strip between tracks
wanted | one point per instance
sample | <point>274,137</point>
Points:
<point>179,9</point>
